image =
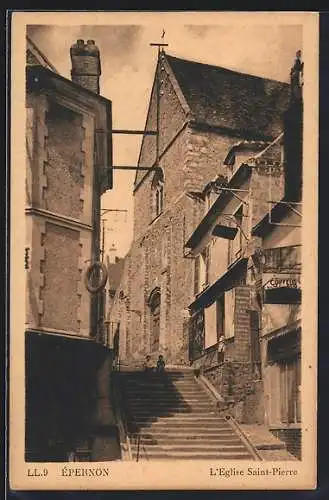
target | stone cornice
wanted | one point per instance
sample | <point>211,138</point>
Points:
<point>61,220</point>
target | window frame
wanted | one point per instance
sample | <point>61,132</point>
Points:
<point>157,193</point>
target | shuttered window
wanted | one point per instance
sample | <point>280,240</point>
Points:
<point>220,315</point>
<point>290,380</point>
<point>204,268</point>
<point>196,275</point>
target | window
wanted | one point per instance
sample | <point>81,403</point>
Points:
<point>201,271</point>
<point>290,379</point>
<point>157,193</point>
<point>196,335</point>
<point>197,275</point>
<point>210,318</point>
<point>205,267</point>
<point>284,369</point>
<point>220,306</point>
<point>155,304</point>
<point>237,244</point>
<point>159,198</point>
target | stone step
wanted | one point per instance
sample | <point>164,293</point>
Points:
<point>220,434</point>
<point>163,385</point>
<point>184,402</point>
<point>149,379</point>
<point>157,409</point>
<point>159,383</point>
<point>197,441</point>
<point>163,389</point>
<point>190,455</point>
<point>175,426</point>
<point>155,375</point>
<point>200,398</point>
<point>176,419</point>
<point>201,418</point>
<point>167,417</point>
<point>145,428</point>
<point>168,373</point>
<point>167,403</point>
<point>151,393</point>
<point>191,447</point>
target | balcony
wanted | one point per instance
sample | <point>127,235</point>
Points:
<point>281,275</point>
<point>282,260</point>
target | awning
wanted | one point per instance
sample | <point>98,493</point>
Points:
<point>282,296</point>
<point>216,209</point>
<point>231,278</point>
<point>226,232</point>
<point>81,351</point>
<point>284,345</point>
<point>284,330</point>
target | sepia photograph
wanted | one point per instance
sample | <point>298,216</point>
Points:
<point>163,226</point>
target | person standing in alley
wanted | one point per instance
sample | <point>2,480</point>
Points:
<point>160,368</point>
<point>221,349</point>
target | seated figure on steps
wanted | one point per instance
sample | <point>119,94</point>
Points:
<point>148,364</point>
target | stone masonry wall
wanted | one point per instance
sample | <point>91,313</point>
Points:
<point>60,296</point>
<point>63,168</point>
<point>59,163</point>
<point>293,440</point>
<point>267,181</point>
<point>235,379</point>
<point>205,155</point>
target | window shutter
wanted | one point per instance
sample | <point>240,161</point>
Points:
<point>220,316</point>
<point>229,305</point>
<point>196,275</point>
<point>207,262</point>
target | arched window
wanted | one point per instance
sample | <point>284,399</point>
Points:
<point>157,193</point>
<point>154,305</point>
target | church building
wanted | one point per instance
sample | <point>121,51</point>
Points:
<point>197,113</point>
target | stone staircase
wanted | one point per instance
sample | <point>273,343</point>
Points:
<point>172,417</point>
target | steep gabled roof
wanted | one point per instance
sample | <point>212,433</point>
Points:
<point>34,56</point>
<point>219,97</point>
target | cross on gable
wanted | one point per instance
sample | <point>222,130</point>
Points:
<point>160,45</point>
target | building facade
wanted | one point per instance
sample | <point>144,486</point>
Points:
<point>280,231</point>
<point>200,112</point>
<point>68,168</point>
<point>245,327</point>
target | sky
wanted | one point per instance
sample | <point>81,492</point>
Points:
<point>128,65</point>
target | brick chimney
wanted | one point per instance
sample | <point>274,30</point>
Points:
<point>86,65</point>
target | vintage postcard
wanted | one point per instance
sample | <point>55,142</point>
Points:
<point>163,308</point>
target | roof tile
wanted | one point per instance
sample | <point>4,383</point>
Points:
<point>228,99</point>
